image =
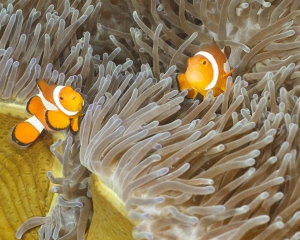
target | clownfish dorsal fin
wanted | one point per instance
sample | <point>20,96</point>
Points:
<point>43,86</point>
<point>46,90</point>
<point>227,51</point>
<point>213,43</point>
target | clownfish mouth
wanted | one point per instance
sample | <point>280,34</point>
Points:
<point>194,77</point>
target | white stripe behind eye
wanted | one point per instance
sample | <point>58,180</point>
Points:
<point>36,123</point>
<point>57,101</point>
<point>48,105</point>
<point>214,66</point>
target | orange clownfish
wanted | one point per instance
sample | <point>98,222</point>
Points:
<point>208,69</point>
<point>53,109</point>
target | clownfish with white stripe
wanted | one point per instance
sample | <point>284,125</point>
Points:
<point>54,108</point>
<point>207,69</point>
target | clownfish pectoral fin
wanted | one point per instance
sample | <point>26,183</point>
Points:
<point>223,86</point>
<point>27,132</point>
<point>230,72</point>
<point>56,120</point>
<point>184,84</point>
<point>203,93</point>
<point>192,93</point>
<point>226,75</point>
<point>34,104</point>
<point>74,125</point>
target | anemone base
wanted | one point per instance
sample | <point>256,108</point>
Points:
<point>109,220</point>
<point>24,186</point>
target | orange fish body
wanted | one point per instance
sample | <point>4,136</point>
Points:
<point>54,108</point>
<point>208,69</point>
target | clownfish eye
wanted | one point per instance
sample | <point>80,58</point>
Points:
<point>204,62</point>
<point>61,98</point>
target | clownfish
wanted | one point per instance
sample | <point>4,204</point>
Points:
<point>54,108</point>
<point>207,69</point>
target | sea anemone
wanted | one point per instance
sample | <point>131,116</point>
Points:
<point>155,164</point>
<point>41,44</point>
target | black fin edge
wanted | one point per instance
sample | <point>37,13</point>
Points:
<point>27,109</point>
<point>49,124</point>
<point>13,137</point>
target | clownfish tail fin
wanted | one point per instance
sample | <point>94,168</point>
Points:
<point>27,132</point>
<point>34,104</point>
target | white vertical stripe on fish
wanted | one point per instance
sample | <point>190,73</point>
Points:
<point>214,66</point>
<point>36,123</point>
<point>57,101</point>
<point>48,105</point>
